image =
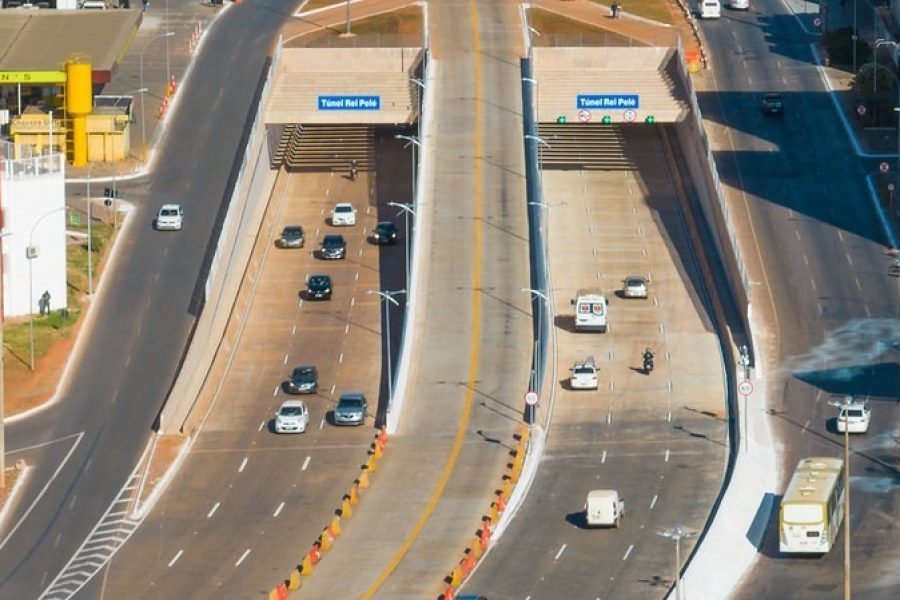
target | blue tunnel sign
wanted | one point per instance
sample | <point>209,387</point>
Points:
<point>607,101</point>
<point>349,103</point>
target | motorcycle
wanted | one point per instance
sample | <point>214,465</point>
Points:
<point>648,364</point>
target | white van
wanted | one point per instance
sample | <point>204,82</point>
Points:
<point>604,508</point>
<point>590,311</point>
<point>710,9</point>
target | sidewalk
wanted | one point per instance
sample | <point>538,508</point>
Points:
<point>160,57</point>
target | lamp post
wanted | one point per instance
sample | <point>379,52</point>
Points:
<point>3,234</point>
<point>90,244</point>
<point>421,85</point>
<point>388,297</point>
<point>847,401</point>
<point>537,100</point>
<point>542,299</point>
<point>407,210</point>
<point>854,37</point>
<point>31,253</point>
<point>143,112</point>
<point>677,533</point>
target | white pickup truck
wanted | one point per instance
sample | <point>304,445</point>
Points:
<point>584,375</point>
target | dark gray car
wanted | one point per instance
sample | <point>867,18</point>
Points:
<point>291,237</point>
<point>333,246</point>
<point>351,409</point>
<point>304,380</point>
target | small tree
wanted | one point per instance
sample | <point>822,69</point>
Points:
<point>839,45</point>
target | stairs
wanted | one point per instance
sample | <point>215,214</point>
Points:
<point>325,147</point>
<point>584,146</point>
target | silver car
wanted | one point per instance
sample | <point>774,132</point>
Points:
<point>635,286</point>
<point>292,417</point>
<point>351,409</point>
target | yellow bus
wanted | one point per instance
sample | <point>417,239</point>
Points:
<point>812,507</point>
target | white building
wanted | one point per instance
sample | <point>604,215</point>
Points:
<point>33,212</point>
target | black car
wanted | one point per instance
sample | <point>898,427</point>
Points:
<point>334,246</point>
<point>291,237</point>
<point>318,287</point>
<point>385,233</point>
<point>304,380</point>
<point>773,104</point>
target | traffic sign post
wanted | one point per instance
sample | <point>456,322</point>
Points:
<point>531,401</point>
<point>745,388</point>
<point>584,115</point>
<point>629,115</point>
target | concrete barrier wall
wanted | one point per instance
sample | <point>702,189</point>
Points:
<point>250,197</point>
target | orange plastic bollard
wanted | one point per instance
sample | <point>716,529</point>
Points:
<point>383,436</point>
<point>294,583</point>
<point>476,548</point>
<point>364,478</point>
<point>335,526</point>
<point>501,503</point>
<point>314,555</point>
<point>495,514</point>
<point>470,560</point>
<point>464,568</point>
<point>455,578</point>
<point>376,450</point>
<point>506,488</point>
<point>354,497</point>
<point>306,568</point>
<point>325,540</point>
<point>370,465</point>
<point>346,511</point>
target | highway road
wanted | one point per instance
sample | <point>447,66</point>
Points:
<point>603,226</point>
<point>247,503</point>
<point>834,305</point>
<point>84,448</point>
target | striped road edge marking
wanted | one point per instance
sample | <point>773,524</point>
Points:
<point>108,535</point>
<point>475,336</point>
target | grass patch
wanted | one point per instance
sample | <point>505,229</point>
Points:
<point>404,21</point>
<point>314,4</point>
<point>12,475</point>
<point>656,10</point>
<point>57,325</point>
<point>549,23</point>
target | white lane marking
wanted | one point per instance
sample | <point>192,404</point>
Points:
<point>661,329</point>
<point>797,234</point>
<point>72,502</point>
<point>599,276</point>
<point>608,418</point>
<point>58,538</point>
<point>114,397</point>
<point>300,303</point>
<point>558,554</point>
<point>627,552</point>
<point>806,425</point>
<point>243,556</point>
<point>806,260</point>
<point>603,458</point>
<point>352,301</point>
<point>285,359</point>
<point>655,301</point>
<point>261,425</point>
<point>356,276</point>
<point>243,464</point>
<point>868,312</point>
<point>321,424</point>
<point>213,510</point>
<point>275,391</point>
<point>849,260</point>
<point>308,458</point>
<point>332,389</point>
<point>612,386</point>
<point>341,358</point>
<point>176,557</point>
<point>667,455</point>
<point>841,235</point>
<point>294,330</point>
<point>346,328</point>
<point>278,510</point>
<point>819,306</point>
<point>858,285</point>
<point>653,502</point>
<point>812,282</point>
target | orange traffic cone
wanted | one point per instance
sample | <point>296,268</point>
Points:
<point>364,478</point>
<point>335,526</point>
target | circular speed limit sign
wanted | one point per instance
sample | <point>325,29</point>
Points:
<point>584,115</point>
<point>745,388</point>
<point>531,398</point>
<point>629,115</point>
<point>884,167</point>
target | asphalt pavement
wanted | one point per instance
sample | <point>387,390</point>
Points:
<point>85,446</point>
<point>825,271</point>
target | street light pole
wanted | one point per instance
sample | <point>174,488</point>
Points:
<point>143,112</point>
<point>407,210</point>
<point>677,533</point>
<point>542,299</point>
<point>411,139</point>
<point>388,297</point>
<point>855,37</point>
<point>90,244</point>
<point>2,383</point>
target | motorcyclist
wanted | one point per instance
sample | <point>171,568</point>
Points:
<point>354,170</point>
<point>648,359</point>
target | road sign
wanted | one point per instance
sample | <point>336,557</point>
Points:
<point>745,388</point>
<point>584,115</point>
<point>348,103</point>
<point>629,115</point>
<point>884,167</point>
<point>890,187</point>
<point>861,110</point>
<point>531,398</point>
<point>817,22</point>
<point>607,101</point>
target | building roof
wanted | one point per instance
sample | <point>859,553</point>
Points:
<point>306,75</point>
<point>43,40</point>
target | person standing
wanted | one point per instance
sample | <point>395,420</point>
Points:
<point>44,304</point>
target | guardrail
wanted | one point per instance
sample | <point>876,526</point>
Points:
<point>226,270</point>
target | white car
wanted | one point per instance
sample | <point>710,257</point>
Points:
<point>170,216</point>
<point>292,417</point>
<point>739,4</point>
<point>584,375</point>
<point>853,417</point>
<point>635,286</point>
<point>343,214</point>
